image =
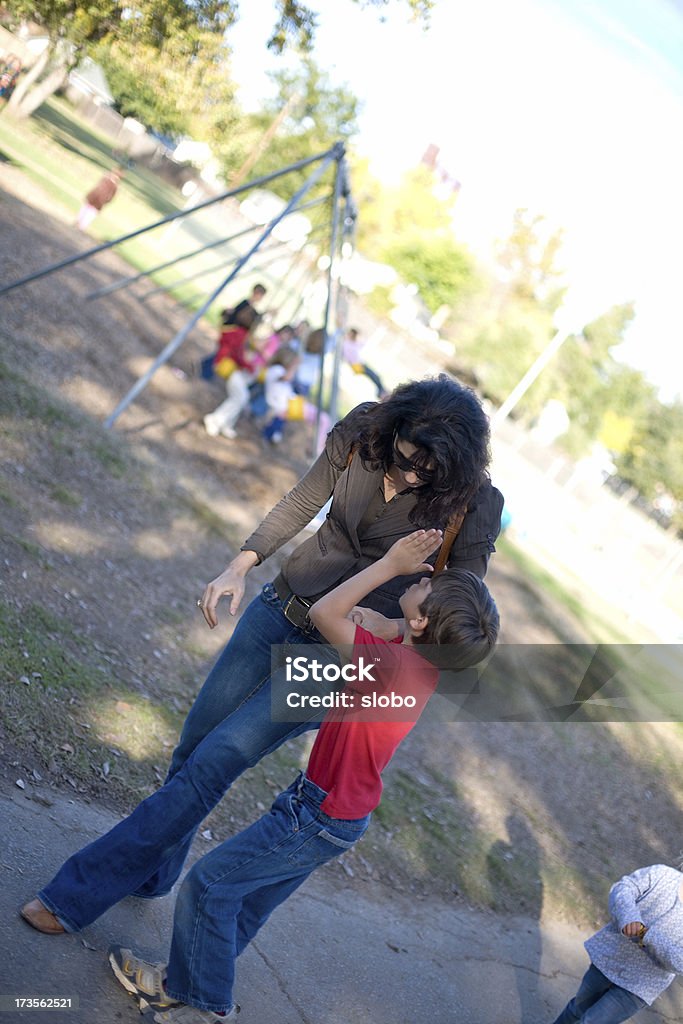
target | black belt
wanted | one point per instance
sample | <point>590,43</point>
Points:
<point>294,608</point>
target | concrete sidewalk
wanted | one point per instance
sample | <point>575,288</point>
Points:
<point>329,956</point>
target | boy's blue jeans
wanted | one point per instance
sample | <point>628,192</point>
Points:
<point>231,892</point>
<point>229,728</point>
<point>600,1001</point>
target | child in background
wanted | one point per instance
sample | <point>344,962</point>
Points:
<point>230,893</point>
<point>98,197</point>
<point>232,362</point>
<point>638,954</point>
<point>352,350</point>
<point>284,403</point>
<point>257,398</point>
<point>308,371</point>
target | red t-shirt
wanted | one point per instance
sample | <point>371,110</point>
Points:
<point>232,345</point>
<point>354,745</point>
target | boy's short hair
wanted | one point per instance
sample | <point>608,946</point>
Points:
<point>285,356</point>
<point>463,621</point>
<point>246,316</point>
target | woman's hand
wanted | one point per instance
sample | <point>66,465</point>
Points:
<point>634,930</point>
<point>376,623</point>
<point>230,583</point>
<point>407,556</point>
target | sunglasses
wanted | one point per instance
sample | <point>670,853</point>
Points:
<point>406,465</point>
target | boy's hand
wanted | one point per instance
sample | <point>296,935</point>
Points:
<point>634,930</point>
<point>407,556</point>
<point>375,623</point>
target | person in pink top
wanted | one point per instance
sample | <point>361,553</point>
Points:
<point>230,893</point>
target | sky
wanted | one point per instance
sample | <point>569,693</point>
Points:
<point>572,109</point>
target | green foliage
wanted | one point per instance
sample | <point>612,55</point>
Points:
<point>182,88</point>
<point>296,22</point>
<point>410,227</point>
<point>497,339</point>
<point>320,115</point>
<point>389,214</point>
<point>653,461</point>
<point>78,22</point>
<point>528,260</point>
<point>442,270</point>
<point>581,376</point>
<point>148,22</point>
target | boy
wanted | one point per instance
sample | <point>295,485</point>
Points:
<point>638,954</point>
<point>230,893</point>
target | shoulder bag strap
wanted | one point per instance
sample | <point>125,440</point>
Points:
<point>450,533</point>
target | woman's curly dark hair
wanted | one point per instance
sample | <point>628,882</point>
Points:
<point>446,423</point>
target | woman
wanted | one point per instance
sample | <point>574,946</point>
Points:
<point>412,461</point>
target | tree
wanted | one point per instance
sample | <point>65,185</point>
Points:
<point>74,27</point>
<point>500,334</point>
<point>182,88</point>
<point>654,459</point>
<point>296,22</point>
<point>441,269</point>
<point>528,259</point>
<point>320,115</point>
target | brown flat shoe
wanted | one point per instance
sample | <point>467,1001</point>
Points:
<point>42,919</point>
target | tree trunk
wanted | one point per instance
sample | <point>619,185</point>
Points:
<point>27,81</point>
<point>49,85</point>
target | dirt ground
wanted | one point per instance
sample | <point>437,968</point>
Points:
<point>109,537</point>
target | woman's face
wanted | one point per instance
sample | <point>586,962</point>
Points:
<point>402,458</point>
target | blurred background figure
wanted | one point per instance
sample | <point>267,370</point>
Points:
<point>9,73</point>
<point>103,193</point>
<point>258,292</point>
<point>284,404</point>
<point>352,350</point>
<point>236,366</point>
<point>308,370</point>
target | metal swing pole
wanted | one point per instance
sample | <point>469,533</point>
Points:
<point>348,230</point>
<point>176,342</point>
<point>340,185</point>
<point>124,282</point>
<point>207,270</point>
<point>316,229</point>
<point>217,266</point>
<point>256,182</point>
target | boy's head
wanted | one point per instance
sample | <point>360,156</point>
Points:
<point>258,292</point>
<point>454,618</point>
<point>246,317</point>
<point>286,334</point>
<point>284,356</point>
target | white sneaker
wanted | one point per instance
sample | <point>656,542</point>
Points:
<point>183,1014</point>
<point>229,433</point>
<point>210,427</point>
<point>276,438</point>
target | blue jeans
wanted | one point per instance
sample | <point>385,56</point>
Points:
<point>275,426</point>
<point>231,892</point>
<point>600,1001</point>
<point>229,728</point>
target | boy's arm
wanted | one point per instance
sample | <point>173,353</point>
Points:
<point>623,895</point>
<point>404,558</point>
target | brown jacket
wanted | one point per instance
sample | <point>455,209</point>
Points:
<point>103,192</point>
<point>337,551</point>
